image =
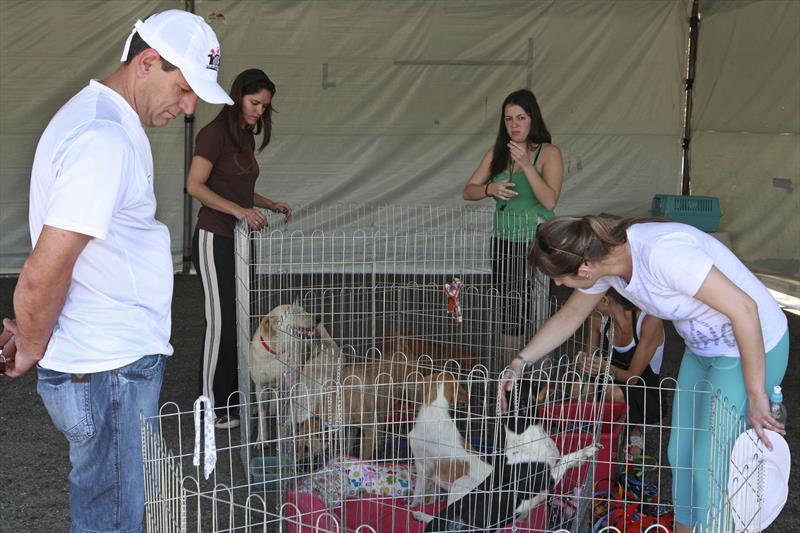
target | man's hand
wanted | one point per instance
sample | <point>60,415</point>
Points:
<point>8,348</point>
<point>17,360</point>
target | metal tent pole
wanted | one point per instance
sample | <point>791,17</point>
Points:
<point>694,28</point>
<point>188,149</point>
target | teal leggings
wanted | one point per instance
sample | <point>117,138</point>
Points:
<point>690,442</point>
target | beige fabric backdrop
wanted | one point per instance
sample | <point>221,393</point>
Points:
<point>746,147</point>
<point>410,103</point>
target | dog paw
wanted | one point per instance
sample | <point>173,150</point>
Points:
<point>422,517</point>
<point>593,449</point>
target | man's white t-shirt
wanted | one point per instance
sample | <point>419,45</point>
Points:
<point>93,174</point>
<point>670,263</point>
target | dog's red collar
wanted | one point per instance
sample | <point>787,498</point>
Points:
<point>266,346</point>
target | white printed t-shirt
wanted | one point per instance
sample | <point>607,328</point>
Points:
<point>670,263</point>
<point>93,174</point>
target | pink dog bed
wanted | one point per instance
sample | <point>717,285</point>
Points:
<point>307,512</point>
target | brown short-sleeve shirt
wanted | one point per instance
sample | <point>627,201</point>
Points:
<point>233,175</point>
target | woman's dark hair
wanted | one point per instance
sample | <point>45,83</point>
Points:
<point>538,134</point>
<point>617,297</point>
<point>563,244</point>
<point>250,81</point>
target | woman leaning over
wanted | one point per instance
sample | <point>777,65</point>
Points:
<point>736,335</point>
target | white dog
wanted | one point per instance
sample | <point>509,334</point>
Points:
<point>441,454</point>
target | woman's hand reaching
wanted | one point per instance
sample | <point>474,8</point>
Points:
<point>590,364</point>
<point>507,378</point>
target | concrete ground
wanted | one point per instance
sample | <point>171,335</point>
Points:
<point>33,456</point>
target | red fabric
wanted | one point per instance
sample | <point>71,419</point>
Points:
<point>308,514</point>
<point>565,416</point>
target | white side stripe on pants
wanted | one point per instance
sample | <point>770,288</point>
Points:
<point>208,273</point>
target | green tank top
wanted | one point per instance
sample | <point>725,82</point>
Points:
<point>516,219</point>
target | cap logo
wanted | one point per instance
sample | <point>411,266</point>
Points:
<point>213,59</point>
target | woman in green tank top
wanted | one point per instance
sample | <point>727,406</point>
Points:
<point>523,173</point>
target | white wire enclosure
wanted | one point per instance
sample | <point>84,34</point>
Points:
<point>374,277</point>
<point>370,359</point>
<point>433,438</point>
<point>388,443</point>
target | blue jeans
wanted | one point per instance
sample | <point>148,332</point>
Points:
<point>99,415</point>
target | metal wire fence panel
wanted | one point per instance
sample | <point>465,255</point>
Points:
<point>371,355</point>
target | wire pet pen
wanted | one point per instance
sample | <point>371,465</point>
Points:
<point>378,277</point>
<point>317,478</point>
<point>321,473</point>
<point>687,471</point>
<point>343,317</point>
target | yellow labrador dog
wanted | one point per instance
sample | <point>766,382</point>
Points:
<point>284,342</point>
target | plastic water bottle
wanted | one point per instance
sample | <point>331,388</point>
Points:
<point>776,407</point>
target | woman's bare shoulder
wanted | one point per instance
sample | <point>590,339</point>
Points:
<point>550,150</point>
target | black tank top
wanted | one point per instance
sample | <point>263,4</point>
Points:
<point>620,359</point>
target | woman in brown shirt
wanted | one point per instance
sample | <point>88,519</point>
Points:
<point>222,176</point>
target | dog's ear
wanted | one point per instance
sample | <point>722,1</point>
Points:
<point>530,391</point>
<point>461,395</point>
<point>452,390</point>
<point>303,442</point>
<point>521,407</point>
<point>264,325</point>
<point>426,390</point>
<point>543,392</point>
<point>510,395</point>
<point>272,323</point>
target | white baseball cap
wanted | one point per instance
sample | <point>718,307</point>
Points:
<point>186,41</point>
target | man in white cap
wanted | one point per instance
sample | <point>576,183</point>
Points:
<point>93,299</point>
